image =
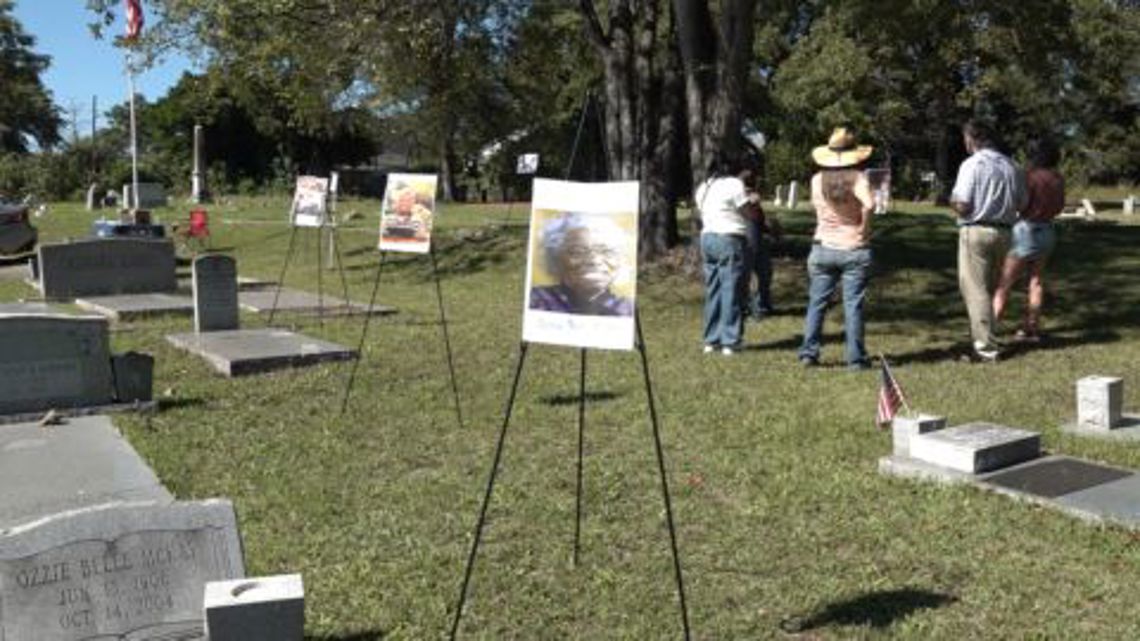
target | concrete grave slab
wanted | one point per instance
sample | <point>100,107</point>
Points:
<point>293,300</point>
<point>31,308</point>
<point>1055,476</point>
<point>128,571</point>
<point>128,307</point>
<point>976,447</point>
<point>1116,502</point>
<point>904,428</point>
<point>253,282</point>
<point>250,351</point>
<point>102,267</point>
<point>80,463</point>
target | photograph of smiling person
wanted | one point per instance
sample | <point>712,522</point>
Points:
<point>408,212</point>
<point>588,257</point>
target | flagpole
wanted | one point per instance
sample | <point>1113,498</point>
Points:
<point>134,204</point>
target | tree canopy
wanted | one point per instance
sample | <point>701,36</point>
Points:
<point>27,112</point>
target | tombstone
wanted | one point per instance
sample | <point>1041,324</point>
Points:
<point>1129,206</point>
<point>215,293</point>
<point>1088,207</point>
<point>93,201</point>
<point>116,571</point>
<point>905,428</point>
<point>256,609</point>
<point>793,194</point>
<point>129,307</point>
<point>1100,402</point>
<point>240,352</point>
<point>975,448</point>
<point>80,463</point>
<point>150,195</point>
<point>54,361</point>
<point>104,266</point>
<point>298,301</point>
<point>779,202</point>
<point>198,191</point>
<point>133,373</point>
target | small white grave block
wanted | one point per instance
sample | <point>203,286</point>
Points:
<point>793,194</point>
<point>904,428</point>
<point>779,202</point>
<point>1130,205</point>
<point>1100,402</point>
<point>1089,209</point>
<point>268,608</point>
<point>976,447</point>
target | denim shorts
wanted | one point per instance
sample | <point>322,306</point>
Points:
<point>1032,240</point>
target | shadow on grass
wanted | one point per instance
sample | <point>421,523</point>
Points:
<point>372,635</point>
<point>572,399</point>
<point>875,609</point>
<point>178,403</point>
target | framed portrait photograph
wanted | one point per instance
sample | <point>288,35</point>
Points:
<point>581,280</point>
<point>310,202</point>
<point>407,213</point>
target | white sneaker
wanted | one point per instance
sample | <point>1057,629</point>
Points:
<point>709,349</point>
<point>727,351</point>
<point>987,353</point>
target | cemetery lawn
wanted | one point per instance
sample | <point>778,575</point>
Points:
<point>786,530</point>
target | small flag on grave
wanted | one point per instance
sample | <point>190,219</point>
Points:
<point>890,396</point>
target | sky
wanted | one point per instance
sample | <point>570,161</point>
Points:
<point>81,66</point>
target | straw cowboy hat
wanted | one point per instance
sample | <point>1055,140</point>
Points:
<point>841,150</point>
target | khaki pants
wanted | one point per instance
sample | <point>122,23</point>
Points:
<point>981,252</point>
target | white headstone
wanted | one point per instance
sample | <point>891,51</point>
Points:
<point>904,428</point>
<point>1130,205</point>
<point>976,447</point>
<point>793,194</point>
<point>779,202</point>
<point>1088,206</point>
<point>268,608</point>
<point>116,571</point>
<point>93,201</point>
<point>1100,401</point>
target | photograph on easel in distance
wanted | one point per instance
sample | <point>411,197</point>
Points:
<point>407,213</point>
<point>581,276</point>
<point>310,201</point>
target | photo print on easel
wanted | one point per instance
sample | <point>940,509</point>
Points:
<point>310,202</point>
<point>407,213</point>
<point>581,284</point>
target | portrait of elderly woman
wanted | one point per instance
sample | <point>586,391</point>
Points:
<point>590,258</point>
<point>406,217</point>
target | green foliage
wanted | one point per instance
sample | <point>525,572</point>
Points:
<point>26,109</point>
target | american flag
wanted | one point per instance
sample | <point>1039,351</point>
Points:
<point>890,396</point>
<point>134,12</point>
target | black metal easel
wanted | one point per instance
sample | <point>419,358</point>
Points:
<point>442,322</point>
<point>640,346</point>
<point>320,288</point>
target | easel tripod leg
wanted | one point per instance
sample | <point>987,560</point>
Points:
<point>446,339</point>
<point>281,278</point>
<point>487,495</point>
<point>581,438</point>
<point>664,480</point>
<point>363,333</point>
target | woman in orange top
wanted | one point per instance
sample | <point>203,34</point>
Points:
<point>841,195</point>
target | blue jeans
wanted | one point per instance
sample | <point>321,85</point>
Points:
<point>825,268</point>
<point>724,268</point>
<point>757,260</point>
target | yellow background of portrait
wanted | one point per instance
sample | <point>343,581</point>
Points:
<point>626,283</point>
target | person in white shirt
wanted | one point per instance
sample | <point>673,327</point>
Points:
<point>724,202</point>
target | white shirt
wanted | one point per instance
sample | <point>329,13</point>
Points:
<point>719,200</point>
<point>993,187</point>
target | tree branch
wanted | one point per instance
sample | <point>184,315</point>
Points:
<point>594,30</point>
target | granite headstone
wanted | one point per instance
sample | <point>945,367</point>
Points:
<point>104,266</point>
<point>116,571</point>
<point>52,361</point>
<point>215,293</point>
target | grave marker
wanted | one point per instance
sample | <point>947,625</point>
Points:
<point>101,266</point>
<point>52,361</point>
<point>974,448</point>
<point>905,428</point>
<point>116,571</point>
<point>1100,402</point>
<point>779,202</point>
<point>268,608</point>
<point>793,194</point>
<point>215,293</point>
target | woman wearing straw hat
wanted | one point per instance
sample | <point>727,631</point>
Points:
<point>841,195</point>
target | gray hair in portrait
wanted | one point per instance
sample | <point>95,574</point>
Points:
<point>603,233</point>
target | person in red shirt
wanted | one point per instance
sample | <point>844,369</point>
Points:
<point>1033,235</point>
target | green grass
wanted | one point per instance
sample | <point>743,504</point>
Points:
<point>785,528</point>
